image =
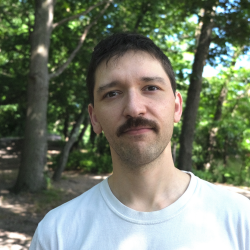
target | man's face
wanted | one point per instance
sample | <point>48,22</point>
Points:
<point>135,106</point>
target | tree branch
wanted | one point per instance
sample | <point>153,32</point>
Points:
<point>237,54</point>
<point>66,149</point>
<point>82,39</point>
<point>144,10</point>
<point>55,25</point>
<point>7,74</point>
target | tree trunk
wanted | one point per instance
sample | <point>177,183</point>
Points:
<point>65,152</point>
<point>217,117</point>
<point>34,151</point>
<point>82,133</point>
<point>92,137</point>
<point>66,124</point>
<point>144,9</point>
<point>193,97</point>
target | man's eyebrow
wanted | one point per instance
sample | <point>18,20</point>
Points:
<point>107,86</point>
<point>153,79</point>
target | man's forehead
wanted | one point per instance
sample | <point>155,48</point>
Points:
<point>140,53</point>
<point>113,61</point>
<point>112,73</point>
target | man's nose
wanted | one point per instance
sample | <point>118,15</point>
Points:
<point>134,105</point>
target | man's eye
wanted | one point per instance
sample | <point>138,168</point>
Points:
<point>111,94</point>
<point>151,88</point>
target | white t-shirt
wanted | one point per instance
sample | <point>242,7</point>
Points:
<point>204,217</point>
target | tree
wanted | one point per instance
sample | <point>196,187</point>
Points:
<point>227,30</point>
<point>35,139</point>
<point>218,112</point>
<point>66,149</point>
<point>33,159</point>
<point>193,98</point>
<point>230,151</point>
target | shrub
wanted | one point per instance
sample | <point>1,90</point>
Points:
<point>234,173</point>
<point>89,162</point>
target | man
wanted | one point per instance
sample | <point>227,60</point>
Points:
<point>146,203</point>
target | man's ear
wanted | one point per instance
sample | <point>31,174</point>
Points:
<point>96,125</point>
<point>178,107</point>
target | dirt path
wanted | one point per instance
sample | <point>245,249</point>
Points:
<point>20,214</point>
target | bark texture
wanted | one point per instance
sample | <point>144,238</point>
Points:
<point>193,97</point>
<point>65,152</point>
<point>34,151</point>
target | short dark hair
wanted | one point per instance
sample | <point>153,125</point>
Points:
<point>117,45</point>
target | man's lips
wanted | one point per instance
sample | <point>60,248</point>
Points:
<point>139,130</point>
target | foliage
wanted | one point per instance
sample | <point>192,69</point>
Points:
<point>11,120</point>
<point>88,162</point>
<point>205,175</point>
<point>94,159</point>
<point>232,136</point>
<point>234,173</point>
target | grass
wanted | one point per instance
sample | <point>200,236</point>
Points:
<point>47,199</point>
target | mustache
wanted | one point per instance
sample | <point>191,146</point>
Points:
<point>134,122</point>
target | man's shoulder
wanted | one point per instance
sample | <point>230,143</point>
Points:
<point>220,197</point>
<point>74,217</point>
<point>78,206</point>
<point>221,191</point>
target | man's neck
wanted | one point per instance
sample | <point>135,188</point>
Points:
<point>149,188</point>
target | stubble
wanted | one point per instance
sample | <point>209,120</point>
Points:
<point>138,151</point>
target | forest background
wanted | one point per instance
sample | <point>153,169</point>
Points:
<point>45,50</point>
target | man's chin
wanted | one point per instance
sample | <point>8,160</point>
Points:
<point>138,155</point>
